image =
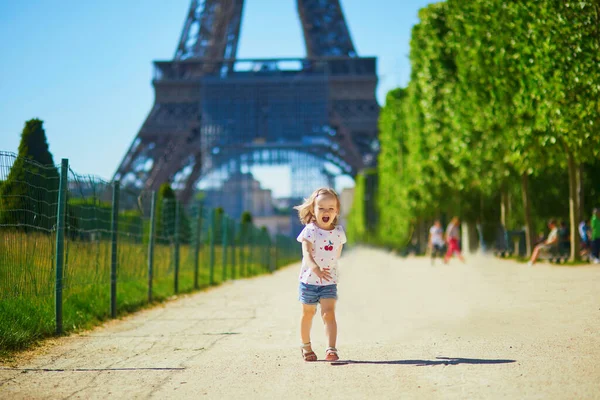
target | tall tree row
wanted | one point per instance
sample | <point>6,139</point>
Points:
<point>500,120</point>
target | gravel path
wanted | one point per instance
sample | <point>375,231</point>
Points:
<point>486,329</point>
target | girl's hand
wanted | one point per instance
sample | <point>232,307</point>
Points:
<point>322,273</point>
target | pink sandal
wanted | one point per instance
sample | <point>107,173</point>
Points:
<point>308,355</point>
<point>331,354</point>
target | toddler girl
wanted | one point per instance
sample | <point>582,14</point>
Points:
<point>322,241</point>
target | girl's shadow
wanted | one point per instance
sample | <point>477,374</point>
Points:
<point>420,363</point>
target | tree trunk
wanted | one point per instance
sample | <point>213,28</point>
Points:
<point>423,237</point>
<point>504,206</point>
<point>527,213</point>
<point>574,186</point>
<point>469,239</point>
<point>581,192</point>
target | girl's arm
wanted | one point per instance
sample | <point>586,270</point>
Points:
<point>307,249</point>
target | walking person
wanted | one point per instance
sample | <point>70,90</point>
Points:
<point>436,240</point>
<point>595,242</point>
<point>452,240</point>
<point>585,235</point>
<point>322,242</point>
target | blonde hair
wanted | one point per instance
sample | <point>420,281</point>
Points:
<point>306,210</point>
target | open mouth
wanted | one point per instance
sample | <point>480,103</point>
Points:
<point>325,219</point>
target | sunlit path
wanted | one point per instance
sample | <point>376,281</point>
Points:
<point>486,329</point>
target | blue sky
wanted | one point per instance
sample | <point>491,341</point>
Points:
<point>85,67</point>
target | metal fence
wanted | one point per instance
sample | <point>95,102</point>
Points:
<point>75,249</point>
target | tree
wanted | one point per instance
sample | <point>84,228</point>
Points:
<point>28,197</point>
<point>391,168</point>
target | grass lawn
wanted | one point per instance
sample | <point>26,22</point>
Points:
<point>27,276</point>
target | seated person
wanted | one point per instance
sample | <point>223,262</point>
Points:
<point>564,239</point>
<point>541,238</point>
<point>548,244</point>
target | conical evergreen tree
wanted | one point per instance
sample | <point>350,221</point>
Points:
<point>28,197</point>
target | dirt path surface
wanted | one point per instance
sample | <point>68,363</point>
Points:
<point>487,329</point>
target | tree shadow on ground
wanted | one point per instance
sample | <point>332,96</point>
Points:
<point>420,363</point>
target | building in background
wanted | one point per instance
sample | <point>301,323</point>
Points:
<point>238,194</point>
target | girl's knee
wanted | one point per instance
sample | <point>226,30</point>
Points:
<point>309,311</point>
<point>328,315</point>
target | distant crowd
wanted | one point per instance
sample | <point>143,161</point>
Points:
<point>447,244</point>
<point>558,242</point>
<point>559,239</point>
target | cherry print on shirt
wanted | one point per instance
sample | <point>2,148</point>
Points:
<point>330,246</point>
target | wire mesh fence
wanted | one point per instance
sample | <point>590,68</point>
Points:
<point>76,249</point>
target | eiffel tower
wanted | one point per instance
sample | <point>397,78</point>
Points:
<point>215,116</point>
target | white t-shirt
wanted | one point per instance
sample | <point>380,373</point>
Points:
<point>326,245</point>
<point>437,235</point>
<point>552,235</point>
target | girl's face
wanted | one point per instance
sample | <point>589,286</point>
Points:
<point>325,211</point>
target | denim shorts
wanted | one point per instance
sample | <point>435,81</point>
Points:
<point>312,294</point>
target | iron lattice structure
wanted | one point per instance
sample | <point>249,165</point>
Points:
<point>215,117</point>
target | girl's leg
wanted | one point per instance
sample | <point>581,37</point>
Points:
<point>308,312</point>
<point>328,315</point>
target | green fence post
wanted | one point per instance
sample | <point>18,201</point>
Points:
<point>232,236</point>
<point>197,245</point>
<point>242,249</point>
<point>60,244</point>
<point>267,252</point>
<point>251,256</point>
<point>261,250</point>
<point>270,258</point>
<point>211,279</point>
<point>114,227</point>
<point>224,224</point>
<point>246,248</point>
<point>275,251</point>
<point>176,239</point>
<point>151,245</point>
<point>265,249</point>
